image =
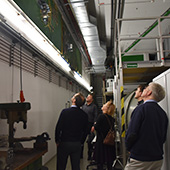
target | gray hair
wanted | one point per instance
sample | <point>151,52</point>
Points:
<point>158,91</point>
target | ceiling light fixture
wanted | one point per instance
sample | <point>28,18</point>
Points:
<point>82,81</point>
<point>15,17</point>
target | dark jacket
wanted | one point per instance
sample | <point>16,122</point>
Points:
<point>71,125</point>
<point>91,111</point>
<point>103,153</point>
<point>147,131</point>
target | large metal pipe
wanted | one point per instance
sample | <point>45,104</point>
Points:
<point>113,16</point>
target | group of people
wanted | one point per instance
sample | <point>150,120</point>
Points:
<point>144,139</point>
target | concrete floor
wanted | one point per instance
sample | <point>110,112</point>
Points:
<point>51,165</point>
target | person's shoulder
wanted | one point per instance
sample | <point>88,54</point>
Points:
<point>111,117</point>
<point>150,104</point>
<point>83,113</point>
<point>93,104</point>
<point>101,116</point>
<point>65,109</point>
<point>68,109</point>
<point>84,106</point>
<point>138,110</point>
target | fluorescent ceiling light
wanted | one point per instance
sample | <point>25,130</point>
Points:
<point>82,81</point>
<point>15,17</point>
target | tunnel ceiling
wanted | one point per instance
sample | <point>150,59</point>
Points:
<point>139,20</point>
<point>136,32</point>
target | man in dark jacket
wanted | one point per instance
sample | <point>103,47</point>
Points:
<point>70,128</point>
<point>91,110</point>
<point>147,131</point>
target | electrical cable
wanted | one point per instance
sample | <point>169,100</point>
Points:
<point>20,63</point>
<point>22,99</point>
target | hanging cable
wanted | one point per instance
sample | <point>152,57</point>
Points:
<point>22,99</point>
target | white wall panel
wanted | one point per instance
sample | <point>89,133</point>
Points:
<point>164,80</point>
<point>47,100</point>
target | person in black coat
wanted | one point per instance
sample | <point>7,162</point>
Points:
<point>91,109</point>
<point>104,154</point>
<point>70,128</point>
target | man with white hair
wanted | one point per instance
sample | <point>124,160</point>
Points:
<point>147,131</point>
